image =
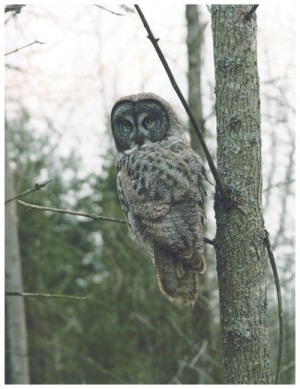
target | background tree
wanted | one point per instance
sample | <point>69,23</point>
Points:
<point>241,257</point>
<point>16,329</point>
<point>194,41</point>
<point>202,318</point>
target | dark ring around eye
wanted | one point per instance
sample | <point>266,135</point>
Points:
<point>127,125</point>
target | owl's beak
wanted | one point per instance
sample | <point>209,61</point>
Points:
<point>140,139</point>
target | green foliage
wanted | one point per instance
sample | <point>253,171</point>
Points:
<point>127,332</point>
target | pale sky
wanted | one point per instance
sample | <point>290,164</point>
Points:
<point>91,57</point>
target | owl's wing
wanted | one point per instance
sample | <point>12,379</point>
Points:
<point>163,186</point>
<point>162,193</point>
<point>138,201</point>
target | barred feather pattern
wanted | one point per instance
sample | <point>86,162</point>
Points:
<point>161,187</point>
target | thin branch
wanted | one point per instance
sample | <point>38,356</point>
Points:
<point>181,333</point>
<point>126,8</point>
<point>47,295</point>
<point>23,47</point>
<point>105,9</point>
<point>183,363</point>
<point>68,212</point>
<point>36,187</point>
<point>279,301</point>
<point>210,161</point>
<point>89,215</point>
<point>251,12</point>
<point>209,241</point>
<point>14,8</point>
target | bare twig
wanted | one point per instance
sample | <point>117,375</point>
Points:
<point>46,295</point>
<point>14,8</point>
<point>209,241</point>
<point>126,8</point>
<point>184,363</point>
<point>192,345</point>
<point>251,12</point>
<point>66,211</point>
<point>279,300</point>
<point>210,161</point>
<point>105,9</point>
<point>23,47</point>
<point>89,215</point>
<point>36,187</point>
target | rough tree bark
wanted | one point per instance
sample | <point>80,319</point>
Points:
<point>240,250</point>
<point>15,310</point>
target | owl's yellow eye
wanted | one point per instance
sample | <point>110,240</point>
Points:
<point>148,122</point>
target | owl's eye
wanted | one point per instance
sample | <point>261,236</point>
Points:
<point>148,122</point>
<point>127,125</point>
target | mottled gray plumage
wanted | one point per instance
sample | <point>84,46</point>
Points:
<point>161,189</point>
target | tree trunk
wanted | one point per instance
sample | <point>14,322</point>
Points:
<point>194,41</point>
<point>15,310</point>
<point>240,247</point>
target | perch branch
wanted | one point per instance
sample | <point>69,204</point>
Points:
<point>46,295</point>
<point>66,211</point>
<point>209,241</point>
<point>23,47</point>
<point>210,161</point>
<point>89,215</point>
<point>36,187</point>
<point>279,301</point>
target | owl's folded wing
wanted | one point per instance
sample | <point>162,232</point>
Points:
<point>159,179</point>
<point>139,201</point>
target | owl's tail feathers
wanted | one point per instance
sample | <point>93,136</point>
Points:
<point>194,259</point>
<point>178,276</point>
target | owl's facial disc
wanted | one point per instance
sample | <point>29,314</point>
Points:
<point>138,124</point>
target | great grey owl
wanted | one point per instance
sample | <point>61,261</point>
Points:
<point>160,185</point>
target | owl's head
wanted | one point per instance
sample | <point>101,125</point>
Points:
<point>143,119</point>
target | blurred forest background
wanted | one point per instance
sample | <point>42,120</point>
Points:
<point>59,91</point>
